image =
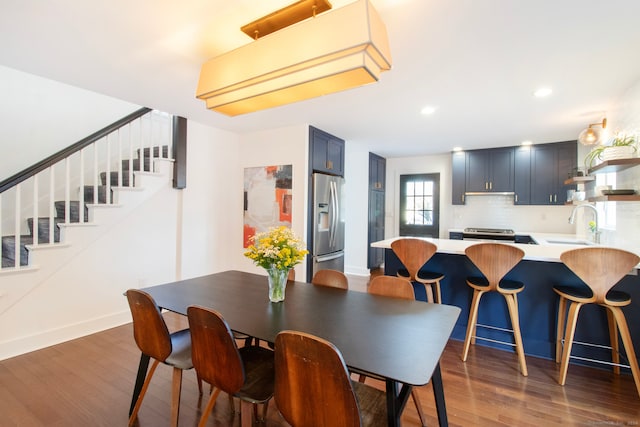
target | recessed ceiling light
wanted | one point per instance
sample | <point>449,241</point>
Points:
<point>457,149</point>
<point>428,110</point>
<point>527,142</point>
<point>542,92</point>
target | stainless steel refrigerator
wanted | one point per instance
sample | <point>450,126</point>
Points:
<point>328,223</point>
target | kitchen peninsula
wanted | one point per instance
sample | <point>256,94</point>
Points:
<point>539,270</point>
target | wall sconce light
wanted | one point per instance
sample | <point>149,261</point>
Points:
<point>591,136</point>
<point>331,52</point>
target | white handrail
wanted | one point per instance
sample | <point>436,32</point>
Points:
<point>152,130</point>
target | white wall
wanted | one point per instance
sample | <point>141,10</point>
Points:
<point>356,208</point>
<point>41,117</point>
<point>283,146</point>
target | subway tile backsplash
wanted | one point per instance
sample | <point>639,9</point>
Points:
<point>500,212</point>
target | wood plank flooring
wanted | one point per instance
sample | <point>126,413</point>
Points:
<point>88,382</point>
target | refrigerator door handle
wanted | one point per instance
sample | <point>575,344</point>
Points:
<point>323,258</point>
<point>334,213</point>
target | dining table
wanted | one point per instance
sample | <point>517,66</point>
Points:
<point>399,341</point>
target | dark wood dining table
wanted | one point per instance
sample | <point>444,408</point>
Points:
<point>399,341</point>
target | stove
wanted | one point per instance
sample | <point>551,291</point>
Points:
<point>477,233</point>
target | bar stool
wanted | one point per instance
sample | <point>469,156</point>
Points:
<point>414,254</point>
<point>495,260</point>
<point>600,269</point>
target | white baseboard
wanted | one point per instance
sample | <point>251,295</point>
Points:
<point>48,338</point>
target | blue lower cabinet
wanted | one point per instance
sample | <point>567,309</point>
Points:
<point>538,305</point>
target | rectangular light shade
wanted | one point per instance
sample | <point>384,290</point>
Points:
<point>338,50</point>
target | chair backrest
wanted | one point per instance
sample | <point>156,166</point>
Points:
<point>391,286</point>
<point>149,328</point>
<point>413,254</point>
<point>494,260</point>
<point>332,278</point>
<point>312,386</point>
<point>600,268</point>
<point>214,352</point>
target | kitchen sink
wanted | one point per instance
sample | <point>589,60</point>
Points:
<point>570,242</point>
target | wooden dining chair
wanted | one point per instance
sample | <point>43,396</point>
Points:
<point>600,268</point>
<point>154,340</point>
<point>396,287</point>
<point>313,388</point>
<point>246,373</point>
<point>495,260</point>
<point>414,254</point>
<point>331,278</point>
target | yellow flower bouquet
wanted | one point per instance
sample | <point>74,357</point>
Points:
<point>278,250</point>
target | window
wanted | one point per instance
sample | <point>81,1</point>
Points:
<point>420,205</point>
<point>606,211</point>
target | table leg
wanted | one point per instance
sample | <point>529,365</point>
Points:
<point>142,373</point>
<point>438,394</point>
<point>396,401</point>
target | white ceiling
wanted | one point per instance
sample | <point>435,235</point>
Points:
<point>478,61</point>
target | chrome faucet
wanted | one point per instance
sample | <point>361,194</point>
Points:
<point>572,218</point>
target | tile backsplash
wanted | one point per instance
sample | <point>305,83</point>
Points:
<point>500,212</point>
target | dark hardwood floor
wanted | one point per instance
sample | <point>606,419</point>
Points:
<point>88,382</point>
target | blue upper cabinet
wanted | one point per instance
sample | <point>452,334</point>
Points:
<point>327,152</point>
<point>551,164</point>
<point>490,170</point>
<point>458,174</point>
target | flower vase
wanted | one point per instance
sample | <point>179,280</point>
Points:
<point>277,284</point>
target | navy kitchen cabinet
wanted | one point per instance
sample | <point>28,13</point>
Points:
<point>327,152</point>
<point>551,164</point>
<point>522,176</point>
<point>458,177</point>
<point>490,170</point>
<point>377,175</point>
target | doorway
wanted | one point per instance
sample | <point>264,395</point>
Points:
<point>420,205</point>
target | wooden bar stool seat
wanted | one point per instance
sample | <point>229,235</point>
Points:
<point>600,269</point>
<point>495,260</point>
<point>414,254</point>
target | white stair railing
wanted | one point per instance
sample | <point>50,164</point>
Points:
<point>110,153</point>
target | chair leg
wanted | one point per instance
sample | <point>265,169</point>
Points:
<point>628,344</point>
<point>471,325</point>
<point>562,314</point>
<point>143,391</point>
<point>416,401</point>
<point>512,304</point>
<point>428,290</point>
<point>572,317</point>
<point>175,401</point>
<point>436,286</point>
<point>210,404</point>
<point>613,338</point>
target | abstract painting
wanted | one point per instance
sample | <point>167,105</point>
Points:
<point>267,199</point>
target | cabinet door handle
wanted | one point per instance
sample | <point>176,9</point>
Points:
<point>555,198</point>
<point>329,164</point>
<point>486,185</point>
<point>462,197</point>
<point>550,198</point>
<point>516,198</point>
<point>490,185</point>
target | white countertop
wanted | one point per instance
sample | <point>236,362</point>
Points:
<point>549,247</point>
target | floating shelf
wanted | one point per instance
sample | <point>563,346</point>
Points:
<point>618,198</point>
<point>579,180</point>
<point>614,165</point>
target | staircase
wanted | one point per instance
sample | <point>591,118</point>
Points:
<point>41,213</point>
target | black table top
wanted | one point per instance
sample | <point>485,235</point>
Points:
<point>396,339</point>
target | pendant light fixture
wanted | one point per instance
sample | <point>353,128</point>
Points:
<point>591,136</point>
<point>331,52</point>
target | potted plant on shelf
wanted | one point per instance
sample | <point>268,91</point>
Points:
<point>621,147</point>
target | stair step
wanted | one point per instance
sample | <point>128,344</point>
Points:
<point>114,178</point>
<point>102,194</point>
<point>156,151</point>
<point>74,214</point>
<point>8,250</point>
<point>43,229</point>
<point>136,165</point>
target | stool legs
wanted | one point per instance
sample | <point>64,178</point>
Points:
<point>621,321</point>
<point>471,324</point>
<point>512,304</point>
<point>562,314</point>
<point>613,338</point>
<point>569,332</point>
